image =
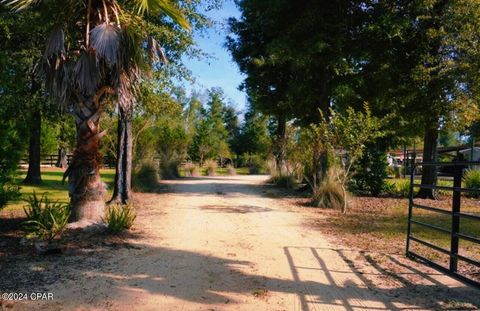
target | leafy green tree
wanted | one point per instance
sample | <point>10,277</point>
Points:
<point>448,138</point>
<point>296,55</point>
<point>193,114</point>
<point>232,125</point>
<point>344,134</point>
<point>267,75</point>
<point>210,139</point>
<point>22,36</point>
<point>13,93</point>
<point>254,137</point>
<point>10,154</point>
<point>171,147</point>
<point>49,137</point>
<point>424,65</point>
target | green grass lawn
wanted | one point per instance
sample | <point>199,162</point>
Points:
<point>56,191</point>
<point>402,185</point>
<point>53,187</point>
<point>440,182</point>
<point>222,171</point>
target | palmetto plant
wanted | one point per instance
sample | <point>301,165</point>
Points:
<point>46,219</point>
<point>96,55</point>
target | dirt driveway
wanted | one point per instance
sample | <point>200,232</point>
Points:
<point>227,243</point>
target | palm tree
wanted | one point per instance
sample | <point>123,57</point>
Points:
<point>95,55</point>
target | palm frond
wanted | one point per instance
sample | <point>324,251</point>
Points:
<point>155,51</point>
<point>55,46</point>
<point>61,86</point>
<point>20,4</point>
<point>56,73</point>
<point>161,6</point>
<point>131,50</point>
<point>105,39</point>
<point>86,73</point>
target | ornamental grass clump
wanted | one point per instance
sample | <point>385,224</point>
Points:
<point>231,171</point>
<point>329,193</point>
<point>191,170</point>
<point>211,167</point>
<point>119,218</point>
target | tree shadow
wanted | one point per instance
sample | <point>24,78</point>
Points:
<point>11,236</point>
<point>122,272</point>
<point>413,286</point>
<point>10,224</point>
<point>219,178</point>
<point>211,186</point>
<point>241,209</point>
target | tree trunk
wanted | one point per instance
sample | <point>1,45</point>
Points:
<point>429,173</point>
<point>280,144</point>
<point>85,188</point>
<point>320,167</point>
<point>62,160</point>
<point>34,175</point>
<point>122,190</point>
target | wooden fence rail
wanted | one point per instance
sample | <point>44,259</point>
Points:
<point>51,160</point>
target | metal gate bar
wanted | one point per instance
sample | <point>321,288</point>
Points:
<point>456,216</point>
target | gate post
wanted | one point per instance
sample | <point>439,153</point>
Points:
<point>410,208</point>
<point>456,201</point>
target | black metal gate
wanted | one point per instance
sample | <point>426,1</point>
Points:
<point>454,232</point>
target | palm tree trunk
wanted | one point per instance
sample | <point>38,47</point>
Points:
<point>122,190</point>
<point>34,175</point>
<point>85,188</point>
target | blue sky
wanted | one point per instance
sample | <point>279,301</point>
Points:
<point>219,70</point>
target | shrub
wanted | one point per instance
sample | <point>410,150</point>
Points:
<point>390,188</point>
<point>8,192</point>
<point>403,188</point>
<point>395,171</point>
<point>254,169</point>
<point>371,171</point>
<point>211,167</point>
<point>284,181</point>
<point>191,170</point>
<point>231,171</point>
<point>146,178</point>
<point>329,194</point>
<point>256,166</point>
<point>400,188</point>
<point>254,162</point>
<point>119,218</point>
<point>445,183</point>
<point>472,181</point>
<point>390,171</point>
<point>46,220</point>
<point>169,169</point>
